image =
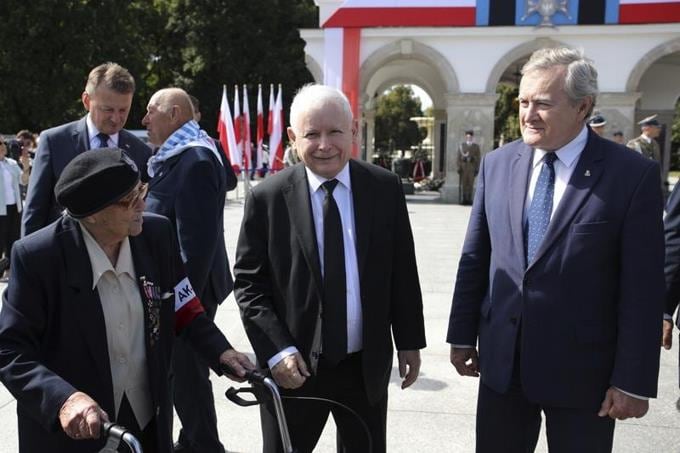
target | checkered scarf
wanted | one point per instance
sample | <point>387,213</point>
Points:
<point>187,136</point>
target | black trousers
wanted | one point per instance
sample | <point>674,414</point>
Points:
<point>193,397</point>
<point>510,423</point>
<point>10,228</point>
<point>306,419</point>
<point>147,436</point>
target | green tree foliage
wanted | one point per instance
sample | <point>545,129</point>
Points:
<point>675,139</point>
<point>506,118</point>
<point>48,47</point>
<point>393,128</point>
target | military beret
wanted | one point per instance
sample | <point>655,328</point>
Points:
<point>469,131</point>
<point>94,180</point>
<point>650,121</point>
<point>597,121</point>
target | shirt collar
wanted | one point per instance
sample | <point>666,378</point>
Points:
<point>315,180</point>
<point>100,262</point>
<point>646,139</point>
<point>569,153</point>
<point>92,131</point>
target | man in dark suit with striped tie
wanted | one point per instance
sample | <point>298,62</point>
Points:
<point>107,97</point>
<point>560,285</point>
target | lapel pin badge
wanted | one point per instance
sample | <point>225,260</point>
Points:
<point>587,173</point>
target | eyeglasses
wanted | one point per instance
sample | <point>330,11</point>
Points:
<point>139,193</point>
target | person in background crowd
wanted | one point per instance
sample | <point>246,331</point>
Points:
<point>469,156</point>
<point>107,98</point>
<point>560,282</point>
<point>326,280</point>
<point>89,318</point>
<point>646,143</point>
<point>617,137</point>
<point>10,207</point>
<point>24,158</point>
<point>232,179</point>
<point>188,185</point>
<point>290,156</point>
<point>597,124</point>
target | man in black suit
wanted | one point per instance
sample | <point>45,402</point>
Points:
<point>107,97</point>
<point>89,318</point>
<point>560,282</point>
<point>325,267</point>
<point>188,185</point>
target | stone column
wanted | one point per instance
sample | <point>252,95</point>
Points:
<point>439,120</point>
<point>466,111</point>
<point>619,111</point>
<point>369,119</point>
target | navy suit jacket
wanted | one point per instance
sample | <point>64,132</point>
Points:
<point>53,334</point>
<point>672,269</point>
<point>190,190</point>
<point>56,148</point>
<point>588,309</point>
<point>278,273</point>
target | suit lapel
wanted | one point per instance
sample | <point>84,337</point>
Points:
<point>81,140</point>
<point>588,170</point>
<point>363,210</point>
<point>123,142</point>
<point>520,181</point>
<point>84,302</point>
<point>300,211</point>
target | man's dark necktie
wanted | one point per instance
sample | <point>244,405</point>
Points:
<point>103,140</point>
<point>540,210</point>
<point>334,321</point>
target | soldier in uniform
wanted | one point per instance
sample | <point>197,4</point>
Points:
<point>597,124</point>
<point>645,143</point>
<point>468,166</point>
<point>618,137</point>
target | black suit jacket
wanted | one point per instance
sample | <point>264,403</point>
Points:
<point>53,335</point>
<point>278,278</point>
<point>586,313</point>
<point>190,190</point>
<point>56,148</point>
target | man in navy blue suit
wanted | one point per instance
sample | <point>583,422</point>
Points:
<point>189,185</point>
<point>560,286</point>
<point>107,97</point>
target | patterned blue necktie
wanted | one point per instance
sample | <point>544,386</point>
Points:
<point>538,217</point>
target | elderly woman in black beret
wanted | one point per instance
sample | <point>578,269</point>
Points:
<point>93,304</point>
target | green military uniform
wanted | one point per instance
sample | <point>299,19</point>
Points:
<point>469,157</point>
<point>647,147</point>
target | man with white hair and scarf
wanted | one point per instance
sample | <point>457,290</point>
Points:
<point>188,185</point>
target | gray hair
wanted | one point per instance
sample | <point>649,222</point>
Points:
<point>314,94</point>
<point>580,80</point>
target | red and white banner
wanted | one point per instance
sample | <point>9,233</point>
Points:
<point>225,129</point>
<point>275,138</point>
<point>404,13</point>
<point>260,129</point>
<point>649,11</point>
<point>271,109</point>
<point>247,146</point>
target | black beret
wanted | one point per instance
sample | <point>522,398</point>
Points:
<point>94,180</point>
<point>469,131</point>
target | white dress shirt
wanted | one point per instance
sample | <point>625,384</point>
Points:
<point>343,198</point>
<point>92,133</point>
<point>124,322</point>
<point>567,156</point>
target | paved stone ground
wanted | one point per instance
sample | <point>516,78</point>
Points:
<point>437,414</point>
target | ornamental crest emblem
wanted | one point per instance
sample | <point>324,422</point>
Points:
<point>546,9</point>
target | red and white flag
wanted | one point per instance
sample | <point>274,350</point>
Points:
<point>225,129</point>
<point>271,109</point>
<point>260,129</point>
<point>247,149</point>
<point>275,142</point>
<point>238,124</point>
<point>648,11</point>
